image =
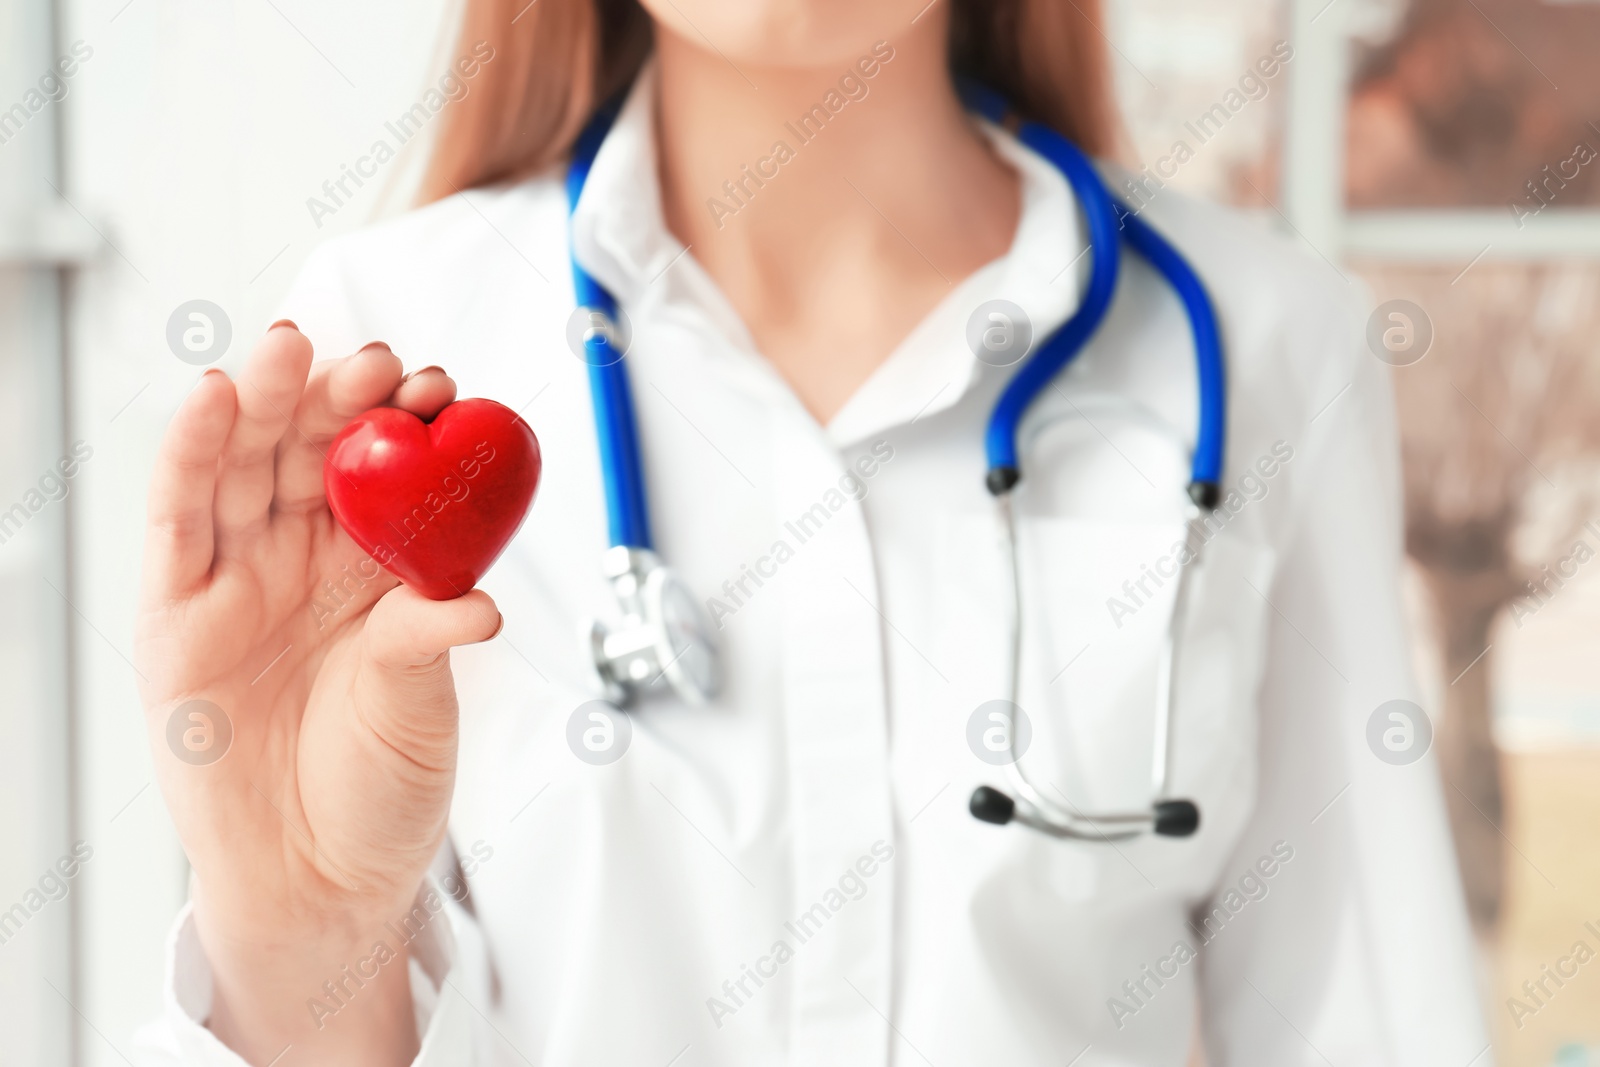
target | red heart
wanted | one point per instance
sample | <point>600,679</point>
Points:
<point>435,502</point>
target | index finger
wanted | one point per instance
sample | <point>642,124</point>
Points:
<point>336,391</point>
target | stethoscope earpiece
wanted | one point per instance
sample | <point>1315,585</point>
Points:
<point>1169,818</point>
<point>1176,818</point>
<point>1206,495</point>
<point>990,805</point>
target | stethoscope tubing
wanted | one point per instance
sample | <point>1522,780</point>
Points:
<point>616,423</point>
<point>617,428</point>
<point>1104,216</point>
<point>1037,809</point>
<point>1211,433</point>
<point>1000,436</point>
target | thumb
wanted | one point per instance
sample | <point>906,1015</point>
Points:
<point>407,633</point>
<point>409,692</point>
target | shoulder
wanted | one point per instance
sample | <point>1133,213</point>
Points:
<point>1300,378</point>
<point>520,219</point>
<point>408,277</point>
<point>1291,319</point>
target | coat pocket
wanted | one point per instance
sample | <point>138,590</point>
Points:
<point>1097,599</point>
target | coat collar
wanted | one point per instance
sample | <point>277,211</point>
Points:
<point>619,235</point>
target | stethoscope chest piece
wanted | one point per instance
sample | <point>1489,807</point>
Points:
<point>662,637</point>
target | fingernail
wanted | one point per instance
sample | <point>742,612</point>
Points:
<point>423,370</point>
<point>501,625</point>
<point>283,322</point>
<point>209,371</point>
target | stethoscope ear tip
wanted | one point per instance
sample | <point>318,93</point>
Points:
<point>1175,818</point>
<point>991,805</point>
<point>1206,495</point>
<point>1001,480</point>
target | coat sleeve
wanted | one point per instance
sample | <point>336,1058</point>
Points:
<point>1363,954</point>
<point>448,974</point>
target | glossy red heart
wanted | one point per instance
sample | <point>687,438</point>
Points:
<point>435,503</point>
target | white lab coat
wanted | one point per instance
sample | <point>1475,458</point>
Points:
<point>790,876</point>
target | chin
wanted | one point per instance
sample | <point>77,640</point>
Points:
<point>786,33</point>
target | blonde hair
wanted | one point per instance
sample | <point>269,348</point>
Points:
<point>555,60</point>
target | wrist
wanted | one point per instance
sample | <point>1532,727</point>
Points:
<point>329,989</point>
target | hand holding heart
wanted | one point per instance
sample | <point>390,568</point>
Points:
<point>319,820</point>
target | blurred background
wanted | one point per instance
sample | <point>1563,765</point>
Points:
<point>1443,155</point>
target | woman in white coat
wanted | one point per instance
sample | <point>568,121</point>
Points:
<point>402,857</point>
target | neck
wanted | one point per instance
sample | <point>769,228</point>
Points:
<point>801,211</point>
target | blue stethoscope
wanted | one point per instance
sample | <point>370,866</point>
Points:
<point>663,635</point>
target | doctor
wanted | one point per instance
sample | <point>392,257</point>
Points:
<point>431,840</point>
